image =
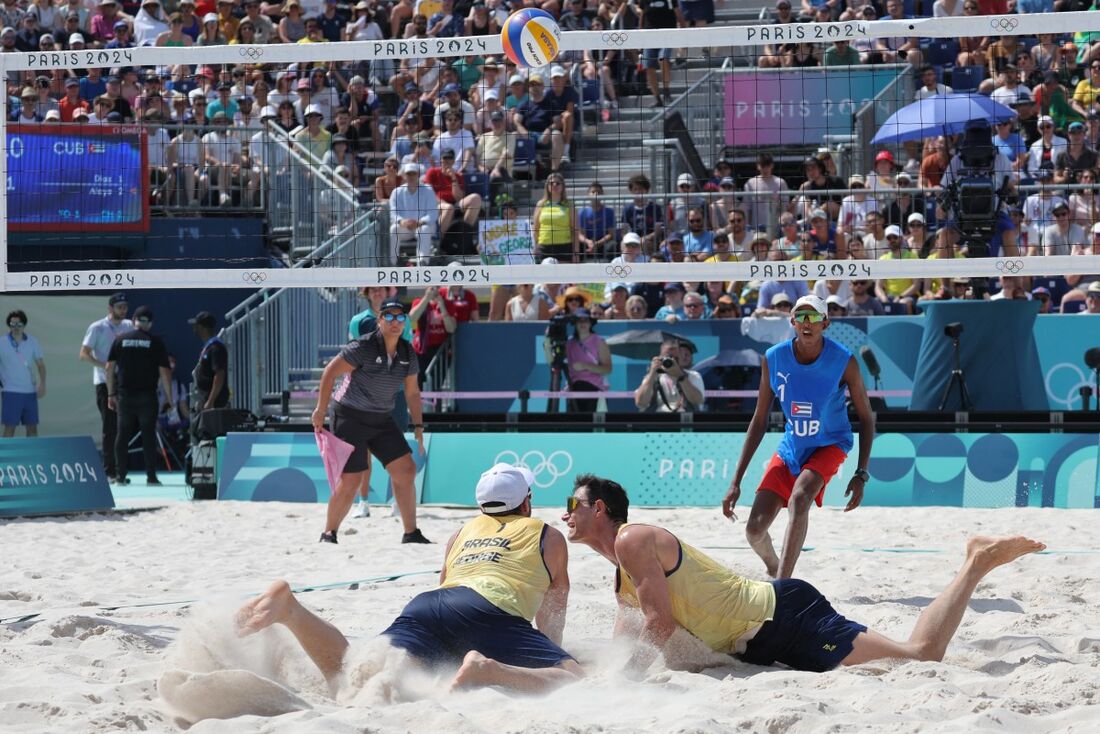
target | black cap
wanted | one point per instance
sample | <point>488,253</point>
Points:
<point>119,297</point>
<point>143,312</point>
<point>204,318</point>
<point>390,304</point>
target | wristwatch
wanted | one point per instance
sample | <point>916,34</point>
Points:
<point>416,425</point>
<point>862,475</point>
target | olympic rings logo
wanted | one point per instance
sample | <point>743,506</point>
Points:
<point>254,277</point>
<point>555,465</point>
<point>617,39</point>
<point>1004,24</point>
<point>250,52</point>
<point>618,271</point>
<point>1010,266</point>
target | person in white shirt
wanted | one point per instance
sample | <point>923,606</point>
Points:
<point>223,159</point>
<point>22,376</point>
<point>764,208</point>
<point>630,248</point>
<point>413,214</point>
<point>1063,237</point>
<point>855,207</point>
<point>94,349</point>
<point>457,138</point>
<point>158,140</point>
<point>929,86</point>
<point>1045,151</point>
<point>1039,210</point>
<point>668,387</point>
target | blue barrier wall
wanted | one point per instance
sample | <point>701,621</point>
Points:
<point>1060,342</point>
<point>45,476</point>
<point>693,469</point>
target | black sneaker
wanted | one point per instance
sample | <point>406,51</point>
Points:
<point>414,537</point>
<point>121,481</point>
<point>153,482</point>
<point>328,537</point>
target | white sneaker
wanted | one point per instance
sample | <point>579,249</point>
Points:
<point>362,510</point>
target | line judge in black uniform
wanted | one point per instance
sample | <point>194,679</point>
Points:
<point>211,373</point>
<point>377,366</point>
<point>136,360</point>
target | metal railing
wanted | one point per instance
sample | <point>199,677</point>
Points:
<point>870,118</point>
<point>440,377</point>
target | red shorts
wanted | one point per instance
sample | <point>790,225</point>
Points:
<point>778,479</point>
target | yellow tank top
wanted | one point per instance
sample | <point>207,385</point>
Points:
<point>500,557</point>
<point>709,600</point>
<point>554,225</point>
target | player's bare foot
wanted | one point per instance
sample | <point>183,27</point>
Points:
<point>476,670</point>
<point>270,607</point>
<point>988,553</point>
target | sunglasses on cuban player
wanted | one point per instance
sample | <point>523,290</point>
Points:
<point>808,317</point>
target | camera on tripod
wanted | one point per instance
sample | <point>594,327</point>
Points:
<point>973,199</point>
<point>952,330</point>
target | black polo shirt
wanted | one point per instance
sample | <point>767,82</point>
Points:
<point>138,357</point>
<point>375,382</point>
<point>214,358</point>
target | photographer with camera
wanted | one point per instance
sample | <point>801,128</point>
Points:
<point>668,387</point>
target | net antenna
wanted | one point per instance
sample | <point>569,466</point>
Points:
<point>713,36</point>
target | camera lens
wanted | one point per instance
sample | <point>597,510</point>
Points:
<point>668,363</point>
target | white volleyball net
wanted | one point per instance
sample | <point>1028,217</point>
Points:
<point>742,148</point>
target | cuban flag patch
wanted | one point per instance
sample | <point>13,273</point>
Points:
<point>801,410</point>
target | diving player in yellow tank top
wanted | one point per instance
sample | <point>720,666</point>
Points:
<point>503,569</point>
<point>786,620</point>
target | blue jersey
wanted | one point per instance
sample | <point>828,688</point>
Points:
<point>812,399</point>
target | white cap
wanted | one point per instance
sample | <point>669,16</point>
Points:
<point>818,214</point>
<point>314,109</point>
<point>813,302</point>
<point>893,229</point>
<point>503,488</point>
<point>556,70</point>
<point>196,94</point>
<point>210,18</point>
<point>76,38</point>
<point>268,111</point>
<point>915,217</point>
<point>1096,229</point>
<point>685,178</point>
<point>80,112</point>
<point>835,300</point>
<point>1043,119</point>
<point>492,94</point>
<point>549,261</point>
<point>780,297</point>
<point>410,168</point>
<point>632,238</point>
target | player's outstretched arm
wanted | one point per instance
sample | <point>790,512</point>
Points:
<point>636,550</point>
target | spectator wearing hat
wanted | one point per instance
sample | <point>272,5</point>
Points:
<point>882,180</point>
<point>673,249</point>
<point>292,26</point>
<point>136,362</point>
<point>1042,295</point>
<point>630,251</point>
<point>687,198</point>
<point>823,235</point>
<point>211,34</point>
<point>1010,143</point>
<point>1092,298</point>
<point>904,291</point>
<point>786,291</point>
<point>1063,236</point>
<point>94,349</point>
<point>673,308</point>
<point>616,309</point>
<point>211,373</point>
<point>721,250</point>
<point>588,359</point>
<point>1044,152</point>
<point>149,23</point>
<point>22,376</point>
<point>340,155</point>
<point>27,112</point>
<point>224,102</point>
<point>314,138</point>
<point>496,152</point>
<point>119,103</point>
<point>838,307</point>
<point>534,118</point>
<point>904,204</point>
<point>917,238</point>
<point>1076,157</point>
<point>517,92</point>
<point>413,214</point>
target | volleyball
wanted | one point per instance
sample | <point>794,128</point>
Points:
<point>531,37</point>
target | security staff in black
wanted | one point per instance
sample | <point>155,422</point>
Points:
<point>374,368</point>
<point>136,360</point>
<point>211,373</point>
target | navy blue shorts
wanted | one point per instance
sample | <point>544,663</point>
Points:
<point>19,409</point>
<point>806,632</point>
<point>442,625</point>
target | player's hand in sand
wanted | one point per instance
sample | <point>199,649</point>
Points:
<point>854,493</point>
<point>268,608</point>
<point>730,500</point>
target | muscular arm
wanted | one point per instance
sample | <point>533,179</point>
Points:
<point>637,552</point>
<point>87,356</point>
<point>550,618</point>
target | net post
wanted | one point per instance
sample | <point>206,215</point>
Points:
<point>4,180</point>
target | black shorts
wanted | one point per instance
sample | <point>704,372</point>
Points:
<point>369,433</point>
<point>442,625</point>
<point>806,633</point>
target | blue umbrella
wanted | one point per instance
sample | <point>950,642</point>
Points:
<point>940,114</point>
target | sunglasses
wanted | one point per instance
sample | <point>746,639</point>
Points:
<point>574,299</point>
<point>572,503</point>
<point>16,324</point>
<point>391,317</point>
<point>808,317</point>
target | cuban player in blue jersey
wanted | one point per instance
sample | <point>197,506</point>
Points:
<point>809,374</point>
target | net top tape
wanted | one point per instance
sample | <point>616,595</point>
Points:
<point>745,35</point>
<point>484,275</point>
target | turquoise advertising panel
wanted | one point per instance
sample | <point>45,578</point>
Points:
<point>695,469</point>
<point>45,476</point>
<point>286,467</point>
